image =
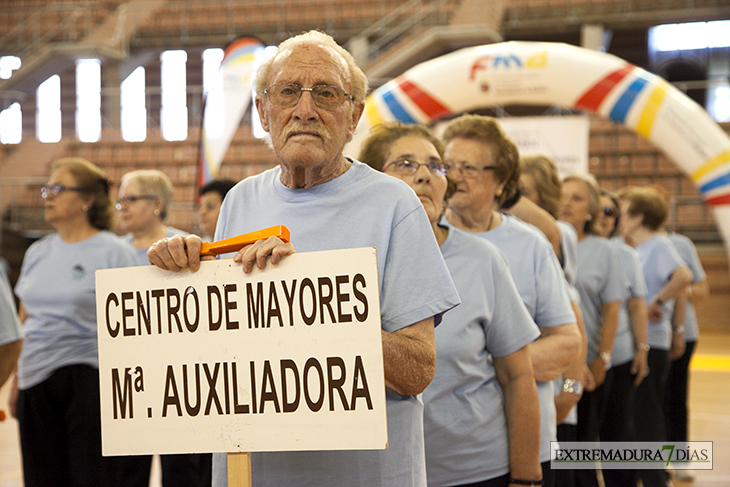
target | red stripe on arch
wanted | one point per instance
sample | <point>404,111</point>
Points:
<point>592,98</point>
<point>719,200</point>
<point>428,104</point>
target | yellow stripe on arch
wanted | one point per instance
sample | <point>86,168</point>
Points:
<point>651,109</point>
<point>372,112</point>
<point>717,161</point>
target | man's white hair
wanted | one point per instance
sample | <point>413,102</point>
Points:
<point>357,77</point>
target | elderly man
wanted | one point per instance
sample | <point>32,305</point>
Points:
<point>310,98</point>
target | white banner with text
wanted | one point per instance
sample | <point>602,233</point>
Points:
<point>288,358</point>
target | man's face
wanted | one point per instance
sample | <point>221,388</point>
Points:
<point>305,135</point>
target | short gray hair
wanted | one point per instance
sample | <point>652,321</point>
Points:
<point>357,77</point>
<point>154,183</point>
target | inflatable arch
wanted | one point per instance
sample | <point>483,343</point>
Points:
<point>537,73</point>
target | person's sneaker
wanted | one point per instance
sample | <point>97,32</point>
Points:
<point>684,475</point>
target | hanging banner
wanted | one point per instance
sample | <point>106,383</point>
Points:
<point>289,358</point>
<point>564,139</point>
<point>543,73</point>
<point>226,105</point>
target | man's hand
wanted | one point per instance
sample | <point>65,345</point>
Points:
<point>176,253</point>
<point>260,251</point>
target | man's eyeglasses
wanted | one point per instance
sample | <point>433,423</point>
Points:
<point>407,166</point>
<point>610,211</point>
<point>324,96</point>
<point>57,189</point>
<point>128,200</point>
<point>470,171</point>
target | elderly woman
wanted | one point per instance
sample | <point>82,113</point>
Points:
<point>57,384</point>
<point>473,434</point>
<point>143,202</point>
<point>541,184</point>
<point>677,382</point>
<point>630,349</point>
<point>643,212</point>
<point>601,286</point>
<point>485,167</point>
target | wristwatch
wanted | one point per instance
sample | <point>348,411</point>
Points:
<point>573,386</point>
<point>606,358</point>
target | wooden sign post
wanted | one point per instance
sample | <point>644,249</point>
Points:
<point>239,469</point>
<point>222,361</point>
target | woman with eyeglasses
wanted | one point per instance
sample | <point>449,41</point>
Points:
<point>143,203</point>
<point>485,167</point>
<point>56,399</point>
<point>643,213</point>
<point>601,287</point>
<point>630,349</point>
<point>473,434</point>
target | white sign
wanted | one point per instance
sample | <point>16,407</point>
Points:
<point>564,139</point>
<point>289,358</point>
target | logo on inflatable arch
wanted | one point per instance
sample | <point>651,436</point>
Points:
<point>540,73</point>
<point>504,63</point>
<point>507,61</point>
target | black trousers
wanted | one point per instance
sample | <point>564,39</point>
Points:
<point>649,411</point>
<point>591,409</point>
<point>188,470</point>
<point>60,431</point>
<point>548,475</point>
<point>566,477</point>
<point>502,481</point>
<point>675,406</point>
<point>618,421</point>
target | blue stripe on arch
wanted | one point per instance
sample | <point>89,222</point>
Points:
<point>396,108</point>
<point>622,106</point>
<point>716,183</point>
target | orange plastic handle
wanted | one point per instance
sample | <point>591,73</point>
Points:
<point>235,244</point>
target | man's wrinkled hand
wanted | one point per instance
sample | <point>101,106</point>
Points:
<point>176,253</point>
<point>259,252</point>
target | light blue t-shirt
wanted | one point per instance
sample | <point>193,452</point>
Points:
<point>600,280</point>
<point>659,260</point>
<point>687,251</point>
<point>539,279</point>
<point>464,419</point>
<point>569,263</point>
<point>10,330</point>
<point>142,251</point>
<point>624,347</point>
<point>360,208</point>
<point>569,249</point>
<point>57,289</point>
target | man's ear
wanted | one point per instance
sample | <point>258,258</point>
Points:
<point>262,114</point>
<point>357,112</point>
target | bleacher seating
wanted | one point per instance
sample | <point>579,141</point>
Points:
<point>617,156</point>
